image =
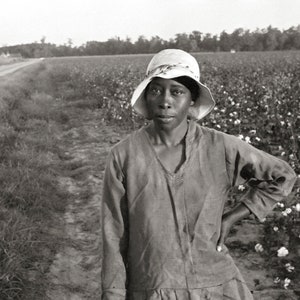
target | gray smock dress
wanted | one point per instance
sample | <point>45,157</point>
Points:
<point>160,229</point>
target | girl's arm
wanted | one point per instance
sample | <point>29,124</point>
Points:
<point>239,212</point>
<point>269,180</point>
<point>114,233</point>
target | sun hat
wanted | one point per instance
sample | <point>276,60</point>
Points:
<point>173,63</point>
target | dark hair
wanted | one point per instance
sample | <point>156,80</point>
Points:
<point>190,84</point>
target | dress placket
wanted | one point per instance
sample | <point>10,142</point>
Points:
<point>179,202</point>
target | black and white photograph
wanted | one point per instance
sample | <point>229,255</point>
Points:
<point>150,150</point>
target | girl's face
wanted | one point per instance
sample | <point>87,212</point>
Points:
<point>168,103</point>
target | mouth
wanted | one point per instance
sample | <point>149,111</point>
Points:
<point>165,118</point>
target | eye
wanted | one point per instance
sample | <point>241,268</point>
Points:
<point>153,90</point>
<point>177,92</point>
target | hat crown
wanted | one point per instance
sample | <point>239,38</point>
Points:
<point>174,58</point>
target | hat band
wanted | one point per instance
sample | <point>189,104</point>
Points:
<point>164,69</point>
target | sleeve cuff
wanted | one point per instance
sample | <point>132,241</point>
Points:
<point>259,206</point>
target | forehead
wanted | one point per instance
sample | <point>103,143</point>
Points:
<point>165,82</point>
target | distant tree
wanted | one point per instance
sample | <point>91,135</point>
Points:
<point>70,42</point>
<point>195,38</point>
<point>43,40</point>
<point>209,42</point>
<point>269,38</point>
<point>292,38</point>
<point>128,46</point>
<point>248,43</point>
<point>156,44</point>
<point>236,39</point>
<point>142,45</point>
<point>225,41</point>
<point>258,40</point>
<point>92,48</point>
<point>183,41</point>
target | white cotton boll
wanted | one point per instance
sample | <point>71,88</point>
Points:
<point>241,187</point>
<point>277,280</point>
<point>292,156</point>
<point>248,139</point>
<point>287,211</point>
<point>259,248</point>
<point>281,252</point>
<point>289,267</point>
<point>287,282</point>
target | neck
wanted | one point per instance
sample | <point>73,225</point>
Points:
<point>168,138</point>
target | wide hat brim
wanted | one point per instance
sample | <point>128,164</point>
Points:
<point>202,105</point>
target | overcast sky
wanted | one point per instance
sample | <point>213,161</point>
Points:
<point>26,21</point>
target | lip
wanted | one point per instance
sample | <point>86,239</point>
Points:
<point>165,118</point>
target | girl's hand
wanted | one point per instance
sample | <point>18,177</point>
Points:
<point>225,228</point>
<point>241,211</point>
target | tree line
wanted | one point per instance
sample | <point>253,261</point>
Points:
<point>268,39</point>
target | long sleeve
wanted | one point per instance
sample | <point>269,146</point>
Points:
<point>269,178</point>
<point>114,233</point>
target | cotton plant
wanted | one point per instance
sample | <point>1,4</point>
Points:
<point>280,244</point>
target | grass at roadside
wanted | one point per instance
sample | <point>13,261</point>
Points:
<point>30,195</point>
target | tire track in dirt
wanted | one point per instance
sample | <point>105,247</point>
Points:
<point>75,272</point>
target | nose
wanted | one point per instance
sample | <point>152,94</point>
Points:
<point>164,105</point>
<point>165,101</point>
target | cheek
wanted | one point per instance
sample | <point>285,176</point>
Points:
<point>149,106</point>
<point>186,103</point>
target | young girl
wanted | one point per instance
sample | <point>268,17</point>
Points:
<point>165,189</point>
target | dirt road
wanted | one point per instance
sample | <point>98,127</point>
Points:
<point>75,272</point>
<point>11,68</point>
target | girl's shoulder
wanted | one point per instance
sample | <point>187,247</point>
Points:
<point>129,142</point>
<point>209,134</point>
<point>214,134</point>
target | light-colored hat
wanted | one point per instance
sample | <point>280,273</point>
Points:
<point>168,64</point>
